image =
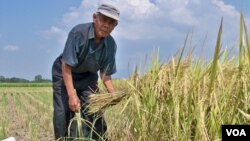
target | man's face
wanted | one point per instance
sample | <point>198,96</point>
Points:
<point>103,25</point>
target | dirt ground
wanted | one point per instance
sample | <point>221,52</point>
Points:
<point>18,127</point>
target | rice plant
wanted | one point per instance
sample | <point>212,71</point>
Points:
<point>186,99</point>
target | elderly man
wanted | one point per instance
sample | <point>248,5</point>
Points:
<point>89,48</point>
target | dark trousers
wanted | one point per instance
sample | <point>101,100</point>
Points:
<point>62,115</point>
<point>85,84</point>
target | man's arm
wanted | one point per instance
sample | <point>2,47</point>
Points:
<point>107,81</point>
<point>74,102</point>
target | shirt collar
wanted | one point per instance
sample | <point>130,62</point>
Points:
<point>91,34</point>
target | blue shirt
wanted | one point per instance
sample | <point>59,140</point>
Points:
<point>83,55</point>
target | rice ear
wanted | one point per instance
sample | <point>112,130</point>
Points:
<point>98,102</point>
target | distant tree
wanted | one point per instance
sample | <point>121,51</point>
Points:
<point>38,78</point>
<point>12,79</point>
<point>15,79</point>
<point>2,78</point>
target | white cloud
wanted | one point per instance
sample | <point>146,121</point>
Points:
<point>179,11</point>
<point>227,9</point>
<point>161,19</point>
<point>72,15</point>
<point>138,10</point>
<point>55,33</point>
<point>163,23</point>
<point>11,48</point>
<point>80,14</point>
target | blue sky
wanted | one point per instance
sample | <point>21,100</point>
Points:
<point>33,33</point>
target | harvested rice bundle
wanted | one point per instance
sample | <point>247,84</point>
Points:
<point>79,134</point>
<point>79,121</point>
<point>98,102</point>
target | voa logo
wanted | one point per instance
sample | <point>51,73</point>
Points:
<point>236,132</point>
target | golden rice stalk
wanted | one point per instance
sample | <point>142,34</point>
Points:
<point>79,121</point>
<point>98,102</point>
<point>247,116</point>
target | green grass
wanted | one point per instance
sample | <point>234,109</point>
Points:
<point>30,84</point>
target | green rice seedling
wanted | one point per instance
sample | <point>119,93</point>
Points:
<point>4,121</point>
<point>33,131</point>
<point>28,84</point>
<point>4,130</point>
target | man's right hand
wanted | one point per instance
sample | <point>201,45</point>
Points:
<point>74,102</point>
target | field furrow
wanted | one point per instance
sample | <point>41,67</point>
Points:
<point>17,127</point>
<point>25,115</point>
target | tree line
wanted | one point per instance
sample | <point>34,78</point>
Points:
<point>37,78</point>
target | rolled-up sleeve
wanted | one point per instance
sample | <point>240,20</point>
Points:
<point>109,66</point>
<point>71,50</point>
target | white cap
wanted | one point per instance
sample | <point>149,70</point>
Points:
<point>109,11</point>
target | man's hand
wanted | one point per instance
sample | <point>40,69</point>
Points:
<point>74,102</point>
<point>107,81</point>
